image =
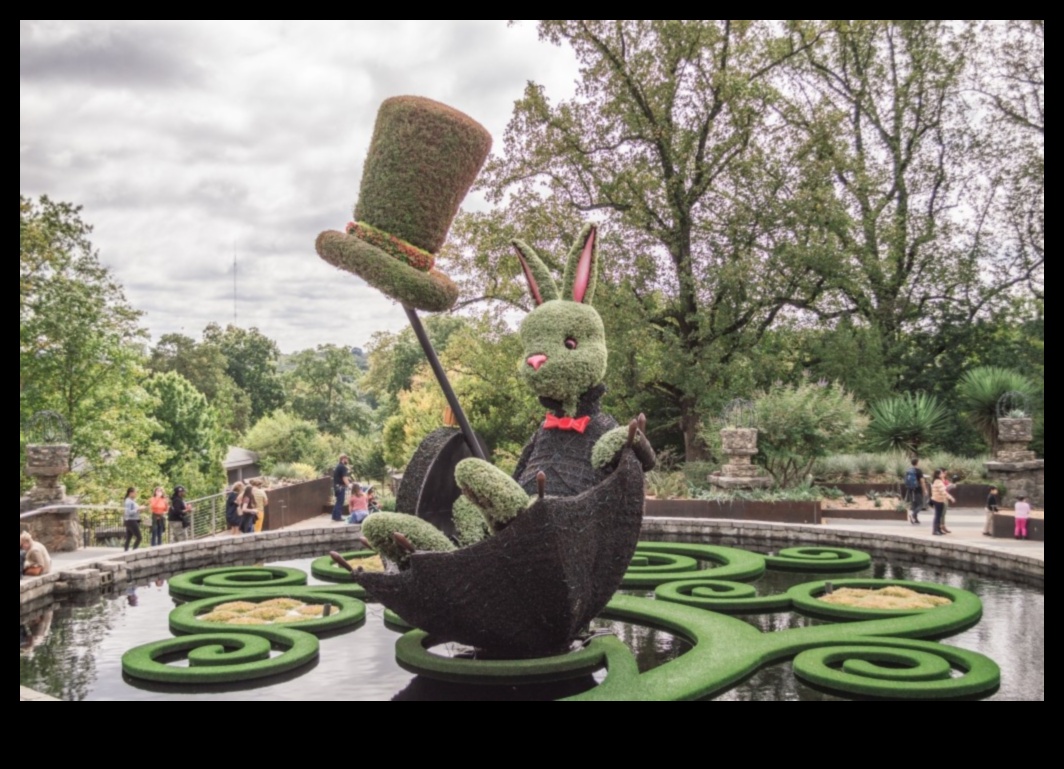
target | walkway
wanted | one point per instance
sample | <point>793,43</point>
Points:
<point>966,525</point>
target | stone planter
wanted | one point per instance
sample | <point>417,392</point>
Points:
<point>1014,440</point>
<point>740,446</point>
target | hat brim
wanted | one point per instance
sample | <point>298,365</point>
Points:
<point>428,291</point>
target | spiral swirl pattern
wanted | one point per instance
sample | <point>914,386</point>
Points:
<point>327,570</point>
<point>219,658</point>
<point>207,583</point>
<point>672,562</point>
<point>820,559</point>
<point>724,597</point>
<point>907,670</point>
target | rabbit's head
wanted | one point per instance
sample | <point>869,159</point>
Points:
<point>564,339</point>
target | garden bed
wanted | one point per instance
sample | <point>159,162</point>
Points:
<point>966,494</point>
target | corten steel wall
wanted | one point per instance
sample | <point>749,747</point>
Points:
<point>292,504</point>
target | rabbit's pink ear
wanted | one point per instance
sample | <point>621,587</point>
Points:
<point>580,273</point>
<point>540,283</point>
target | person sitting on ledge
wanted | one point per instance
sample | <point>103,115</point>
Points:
<point>36,559</point>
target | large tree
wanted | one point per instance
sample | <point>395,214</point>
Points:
<point>671,139</point>
<point>882,104</point>
<point>251,361</point>
<point>323,388</point>
<point>205,366</point>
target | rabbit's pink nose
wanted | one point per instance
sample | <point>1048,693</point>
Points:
<point>536,361</point>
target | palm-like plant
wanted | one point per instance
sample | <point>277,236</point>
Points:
<point>981,391</point>
<point>911,423</point>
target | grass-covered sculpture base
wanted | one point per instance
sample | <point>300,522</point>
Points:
<point>243,617</point>
<point>872,651</point>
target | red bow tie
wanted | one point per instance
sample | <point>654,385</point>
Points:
<point>566,423</point>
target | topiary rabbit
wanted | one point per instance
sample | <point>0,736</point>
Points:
<point>576,447</point>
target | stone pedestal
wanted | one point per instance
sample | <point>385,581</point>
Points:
<point>740,446</point>
<point>1014,440</point>
<point>1021,479</point>
<point>57,528</point>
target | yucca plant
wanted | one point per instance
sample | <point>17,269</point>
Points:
<point>981,391</point>
<point>911,423</point>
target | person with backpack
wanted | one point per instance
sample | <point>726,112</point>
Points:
<point>917,491</point>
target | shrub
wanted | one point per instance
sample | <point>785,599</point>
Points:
<point>799,424</point>
<point>912,423</point>
<point>295,472</point>
<point>981,391</point>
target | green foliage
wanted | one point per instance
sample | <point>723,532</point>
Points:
<point>798,424</point>
<point>469,524</point>
<point>911,423</point>
<point>667,485</point>
<point>295,472</point>
<point>567,373</point>
<point>322,388</point>
<point>981,391</point>
<point>187,425</point>
<point>205,365</point>
<point>251,362</point>
<point>891,467</point>
<point>283,438</point>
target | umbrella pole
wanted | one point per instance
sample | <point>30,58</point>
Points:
<point>445,383</point>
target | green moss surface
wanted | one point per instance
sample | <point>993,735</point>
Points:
<point>206,583</point>
<point>567,373</point>
<point>819,559</point>
<point>422,160</point>
<point>222,657</point>
<point>731,564</point>
<point>429,291</point>
<point>352,612</point>
<point>327,570</point>
<point>380,527</point>
<point>469,524</point>
<point>498,496</point>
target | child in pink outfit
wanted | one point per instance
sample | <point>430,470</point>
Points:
<point>1023,515</point>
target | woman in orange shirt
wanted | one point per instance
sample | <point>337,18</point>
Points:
<point>159,505</point>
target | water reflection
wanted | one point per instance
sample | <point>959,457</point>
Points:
<point>74,652</point>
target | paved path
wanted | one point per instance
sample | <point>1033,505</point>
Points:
<point>966,525</point>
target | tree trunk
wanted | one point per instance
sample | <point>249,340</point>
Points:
<point>695,448</point>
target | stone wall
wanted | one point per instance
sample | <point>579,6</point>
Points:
<point>1020,479</point>
<point>909,550</point>
<point>58,530</point>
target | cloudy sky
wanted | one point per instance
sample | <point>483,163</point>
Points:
<point>187,142</point>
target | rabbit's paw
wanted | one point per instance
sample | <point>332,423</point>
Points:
<point>607,451</point>
<point>498,496</point>
<point>469,524</point>
<point>397,536</point>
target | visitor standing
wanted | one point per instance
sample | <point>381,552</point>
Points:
<point>916,485</point>
<point>232,508</point>
<point>261,500</point>
<point>158,505</point>
<point>951,487</point>
<point>131,517</point>
<point>993,505</point>
<point>1023,517</point>
<point>359,505</point>
<point>35,560</point>
<point>248,511</point>
<point>939,498</point>
<point>180,516</point>
<point>341,483</point>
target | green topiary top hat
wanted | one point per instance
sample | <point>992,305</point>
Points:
<point>422,160</point>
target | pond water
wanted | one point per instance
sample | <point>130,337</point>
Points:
<point>74,652</point>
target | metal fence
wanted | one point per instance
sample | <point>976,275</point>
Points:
<point>106,527</point>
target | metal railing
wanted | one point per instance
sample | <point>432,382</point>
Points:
<point>105,526</point>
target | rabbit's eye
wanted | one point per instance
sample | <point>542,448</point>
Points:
<point>571,343</point>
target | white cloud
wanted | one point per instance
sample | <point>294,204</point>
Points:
<point>187,141</point>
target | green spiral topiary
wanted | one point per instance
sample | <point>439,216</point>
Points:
<point>222,657</point>
<point>819,559</point>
